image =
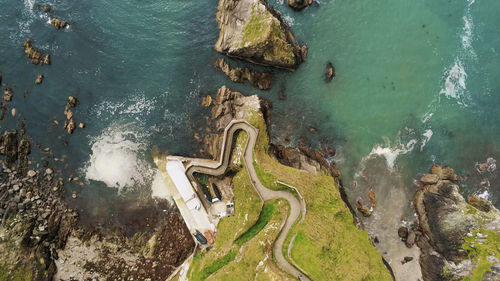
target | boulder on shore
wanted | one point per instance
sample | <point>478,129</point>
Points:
<point>457,236</point>
<point>262,80</point>
<point>299,4</point>
<point>252,30</point>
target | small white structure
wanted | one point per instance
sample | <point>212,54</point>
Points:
<point>177,172</point>
<point>188,203</point>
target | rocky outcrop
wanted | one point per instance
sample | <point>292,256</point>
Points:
<point>226,106</point>
<point>262,80</point>
<point>39,79</point>
<point>70,124</point>
<point>35,56</point>
<point>8,94</point>
<point>57,23</point>
<point>252,30</point>
<point>457,239</point>
<point>330,72</point>
<point>299,4</point>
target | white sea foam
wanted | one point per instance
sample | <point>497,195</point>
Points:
<point>115,159</point>
<point>159,189</point>
<point>391,153</point>
<point>136,104</point>
<point>485,194</point>
<point>427,136</point>
<point>289,20</point>
<point>454,84</point>
<point>467,33</point>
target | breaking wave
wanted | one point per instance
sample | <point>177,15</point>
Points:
<point>117,158</point>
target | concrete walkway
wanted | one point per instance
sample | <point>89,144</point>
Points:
<point>216,168</point>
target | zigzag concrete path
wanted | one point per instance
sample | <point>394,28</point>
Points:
<point>216,168</point>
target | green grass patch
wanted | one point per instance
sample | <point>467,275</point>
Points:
<point>216,265</point>
<point>265,216</point>
<point>15,274</point>
<point>270,181</point>
<point>479,249</point>
<point>328,246</point>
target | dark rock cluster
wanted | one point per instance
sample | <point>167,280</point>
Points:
<point>262,80</point>
<point>35,221</point>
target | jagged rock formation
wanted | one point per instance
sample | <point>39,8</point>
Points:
<point>57,23</point>
<point>299,4</point>
<point>241,75</point>
<point>228,105</point>
<point>457,239</point>
<point>35,56</point>
<point>252,30</point>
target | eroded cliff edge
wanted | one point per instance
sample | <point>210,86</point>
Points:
<point>252,30</point>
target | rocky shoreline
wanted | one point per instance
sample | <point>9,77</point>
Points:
<point>458,239</point>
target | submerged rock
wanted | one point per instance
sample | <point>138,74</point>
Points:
<point>206,101</point>
<point>252,30</point>
<point>47,8</point>
<point>262,80</point>
<point>362,208</point>
<point>8,94</point>
<point>33,54</point>
<point>453,241</point>
<point>330,72</point>
<point>299,4</point>
<point>403,232</point>
<point>46,59</point>
<point>39,79</point>
<point>371,196</point>
<point>72,101</point>
<point>57,23</point>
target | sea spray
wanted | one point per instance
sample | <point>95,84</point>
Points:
<point>117,159</point>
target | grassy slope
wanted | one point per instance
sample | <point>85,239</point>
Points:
<point>254,261</point>
<point>233,232</point>
<point>479,247</point>
<point>247,209</point>
<point>327,246</point>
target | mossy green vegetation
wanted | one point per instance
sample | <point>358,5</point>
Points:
<point>263,29</point>
<point>265,216</point>
<point>482,244</point>
<point>15,274</point>
<point>327,245</point>
<point>270,181</point>
<point>254,260</point>
<point>247,209</point>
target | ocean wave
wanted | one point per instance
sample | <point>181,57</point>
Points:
<point>427,136</point>
<point>117,158</point>
<point>391,153</point>
<point>137,105</point>
<point>455,82</point>
<point>158,188</point>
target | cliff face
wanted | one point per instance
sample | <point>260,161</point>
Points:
<point>252,30</point>
<point>459,239</point>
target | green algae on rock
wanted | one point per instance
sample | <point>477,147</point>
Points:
<point>252,30</point>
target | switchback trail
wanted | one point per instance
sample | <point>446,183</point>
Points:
<point>217,168</point>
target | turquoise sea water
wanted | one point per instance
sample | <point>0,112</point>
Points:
<point>417,82</point>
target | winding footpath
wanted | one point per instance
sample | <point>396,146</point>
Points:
<point>217,168</point>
